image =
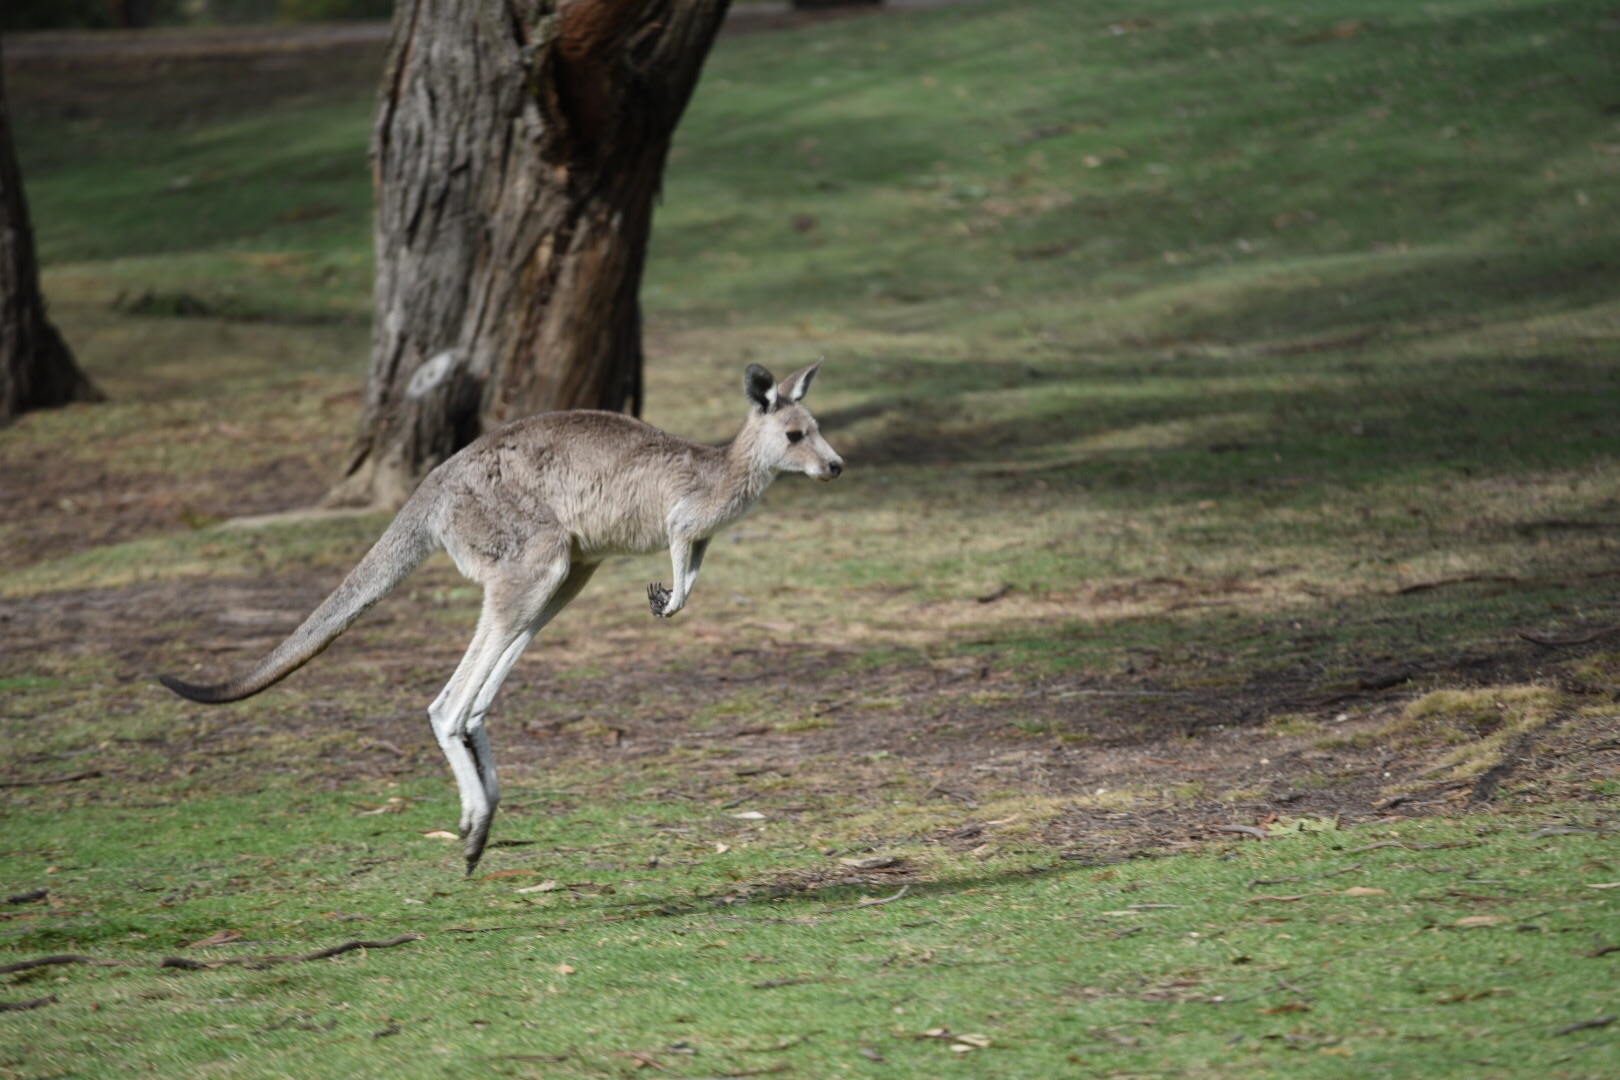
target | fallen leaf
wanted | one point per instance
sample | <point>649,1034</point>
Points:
<point>223,937</point>
<point>1362,890</point>
<point>440,834</point>
<point>721,849</point>
<point>395,804</point>
<point>545,886</point>
<point>1291,1007</point>
<point>750,815</point>
<point>643,1061</point>
<point>1468,922</point>
<point>509,873</point>
<point>565,969</point>
<point>1606,885</point>
<point>977,1042</point>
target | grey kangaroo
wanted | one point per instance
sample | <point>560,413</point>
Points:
<point>529,511</point>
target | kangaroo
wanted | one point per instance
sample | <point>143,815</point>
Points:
<point>529,511</point>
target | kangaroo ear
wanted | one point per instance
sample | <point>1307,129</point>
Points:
<point>761,387</point>
<point>795,386</point>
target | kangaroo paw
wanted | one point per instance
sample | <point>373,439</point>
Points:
<point>658,599</point>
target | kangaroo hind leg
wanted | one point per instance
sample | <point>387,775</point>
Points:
<point>517,603</point>
<point>478,731</point>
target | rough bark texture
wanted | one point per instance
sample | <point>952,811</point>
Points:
<point>517,152</point>
<point>36,366</point>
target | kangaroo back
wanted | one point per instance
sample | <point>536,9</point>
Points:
<point>400,550</point>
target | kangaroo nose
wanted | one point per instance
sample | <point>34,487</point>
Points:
<point>836,468</point>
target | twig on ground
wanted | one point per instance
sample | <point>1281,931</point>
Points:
<point>28,897</point>
<point>87,775</point>
<point>1601,950</point>
<point>785,1044</point>
<point>560,927</point>
<point>187,964</point>
<point>772,984</point>
<point>1413,847</point>
<point>64,958</point>
<point>1467,579</point>
<point>1246,830</point>
<point>24,1006</point>
<point>1600,1022</point>
<point>1563,643</point>
<point>1284,899</point>
<point>1308,877</point>
<point>883,900</point>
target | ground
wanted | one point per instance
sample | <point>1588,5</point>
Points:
<point>951,728</point>
<point>1231,499</point>
<point>1192,733</point>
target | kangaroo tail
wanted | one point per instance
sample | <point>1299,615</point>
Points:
<point>400,550</point>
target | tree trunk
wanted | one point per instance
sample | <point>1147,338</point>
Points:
<point>36,366</point>
<point>517,151</point>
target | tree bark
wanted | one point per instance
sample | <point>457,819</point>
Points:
<point>517,151</point>
<point>36,366</point>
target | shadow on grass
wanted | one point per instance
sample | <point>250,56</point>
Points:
<point>1388,371</point>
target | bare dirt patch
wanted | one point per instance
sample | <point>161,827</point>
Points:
<point>62,506</point>
<point>1109,765</point>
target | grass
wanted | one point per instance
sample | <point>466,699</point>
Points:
<point>1434,948</point>
<point>1175,350</point>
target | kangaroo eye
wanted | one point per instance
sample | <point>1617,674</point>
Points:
<point>795,436</point>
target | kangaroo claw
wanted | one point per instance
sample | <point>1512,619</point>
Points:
<point>658,599</point>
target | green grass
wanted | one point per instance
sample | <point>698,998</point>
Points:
<point>1467,956</point>
<point>1195,335</point>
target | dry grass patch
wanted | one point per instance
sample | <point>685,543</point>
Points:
<point>1480,724</point>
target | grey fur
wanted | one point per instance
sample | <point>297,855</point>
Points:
<point>530,511</point>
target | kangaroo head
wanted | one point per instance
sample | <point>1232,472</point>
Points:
<point>786,437</point>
